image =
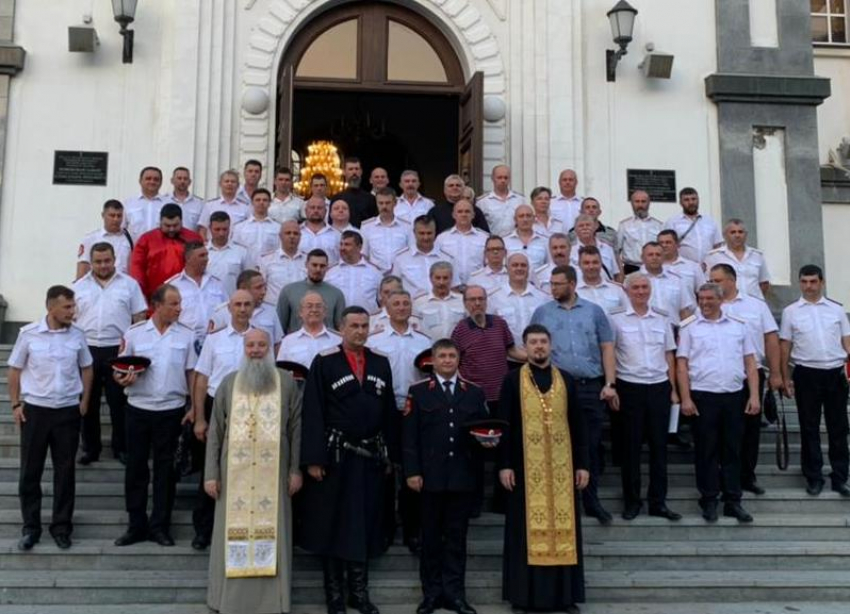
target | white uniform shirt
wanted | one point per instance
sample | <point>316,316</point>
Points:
<point>256,236</point>
<point>756,314</point>
<point>163,385</point>
<point>439,315</point>
<point>220,356</point>
<point>414,268</point>
<point>715,350</point>
<point>263,318</point>
<point>641,343</point>
<point>50,363</point>
<point>552,226</point>
<point>192,207</point>
<point>227,263</point>
<point>358,282</point>
<point>670,294</point>
<point>536,250</point>
<point>198,301</point>
<point>688,270</point>
<point>700,240</point>
<point>142,214</point>
<point>465,248</point>
<point>565,209</point>
<point>488,279</point>
<point>236,209</point>
<point>381,242</point>
<point>401,349</point>
<point>633,233</point>
<point>280,269</point>
<point>242,195</point>
<point>408,211</point>
<point>119,242</point>
<point>327,239</point>
<point>606,252</point>
<point>516,307</point>
<point>379,321</point>
<point>815,331</point>
<point>283,210</point>
<point>543,275</point>
<point>607,294</point>
<point>302,347</point>
<point>500,212</point>
<point>751,270</point>
<point>104,313</point>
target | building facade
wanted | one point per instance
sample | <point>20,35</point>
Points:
<point>749,114</point>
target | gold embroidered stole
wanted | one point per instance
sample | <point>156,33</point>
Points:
<point>253,483</point>
<point>549,481</point>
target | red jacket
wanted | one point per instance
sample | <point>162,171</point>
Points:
<point>156,258</point>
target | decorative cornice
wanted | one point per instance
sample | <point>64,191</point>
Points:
<point>767,89</point>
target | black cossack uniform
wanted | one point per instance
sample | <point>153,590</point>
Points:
<point>437,447</point>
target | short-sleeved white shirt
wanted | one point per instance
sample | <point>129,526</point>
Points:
<point>192,206</point>
<point>414,268</point>
<point>284,210</point>
<point>607,255</point>
<point>633,233</point>
<point>198,301</point>
<point>565,209</point>
<point>50,363</point>
<point>119,242</point>
<point>105,312</point>
<point>670,293</point>
<point>236,209</point>
<point>715,350</point>
<point>439,315</point>
<point>327,239</point>
<point>641,343</point>
<point>226,263</point>
<point>699,240</point>
<point>401,349</point>
<point>263,318</point>
<point>256,236</point>
<point>358,282</point>
<point>488,279</point>
<point>815,331</point>
<point>302,347</point>
<point>163,384</point>
<point>220,356</point>
<point>141,214</point>
<point>757,316</point>
<point>280,269</point>
<point>516,307</point>
<point>383,241</point>
<point>688,270</point>
<point>536,250</point>
<point>607,294</point>
<point>465,248</point>
<point>500,211</point>
<point>408,211</point>
<point>751,270</point>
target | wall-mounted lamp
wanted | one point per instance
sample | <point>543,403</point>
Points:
<point>622,18</point>
<point>125,13</point>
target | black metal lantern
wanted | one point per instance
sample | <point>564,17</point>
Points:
<point>125,13</point>
<point>622,18</point>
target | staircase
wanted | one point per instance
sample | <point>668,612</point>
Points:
<point>795,554</point>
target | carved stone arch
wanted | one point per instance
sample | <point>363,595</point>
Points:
<point>463,24</point>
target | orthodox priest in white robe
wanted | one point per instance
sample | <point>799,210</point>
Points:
<point>253,448</point>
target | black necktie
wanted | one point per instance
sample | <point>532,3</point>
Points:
<point>447,388</point>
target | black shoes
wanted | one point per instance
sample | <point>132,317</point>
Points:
<point>662,511</point>
<point>814,487</point>
<point>753,487</point>
<point>162,538</point>
<point>631,511</point>
<point>358,589</point>
<point>842,489</point>
<point>709,511</point>
<point>129,538</point>
<point>674,439</point>
<point>600,513</point>
<point>460,606</point>
<point>63,542</point>
<point>88,459</point>
<point>734,510</point>
<point>429,605</point>
<point>201,542</point>
<point>333,581</point>
<point>27,542</point>
<point>414,545</point>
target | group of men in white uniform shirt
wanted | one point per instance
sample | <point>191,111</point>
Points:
<point>398,268</point>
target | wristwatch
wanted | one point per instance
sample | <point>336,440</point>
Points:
<point>611,385</point>
<point>17,405</point>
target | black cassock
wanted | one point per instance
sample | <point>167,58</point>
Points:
<point>342,515</point>
<point>536,587</point>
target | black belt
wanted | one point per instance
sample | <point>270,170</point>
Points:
<point>373,448</point>
<point>587,381</point>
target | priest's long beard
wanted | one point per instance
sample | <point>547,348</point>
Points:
<point>256,375</point>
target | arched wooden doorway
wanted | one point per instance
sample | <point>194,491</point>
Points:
<point>385,84</point>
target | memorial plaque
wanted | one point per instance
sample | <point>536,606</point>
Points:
<point>80,167</point>
<point>660,185</point>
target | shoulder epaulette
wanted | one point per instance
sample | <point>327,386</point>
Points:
<point>184,326</point>
<point>138,324</point>
<point>378,352</point>
<point>626,219</point>
<point>371,220</point>
<point>377,330</point>
<point>172,278</point>
<point>402,251</point>
<point>616,311</point>
<point>614,283</point>
<point>715,250</point>
<point>736,318</point>
<point>329,351</point>
<point>542,267</point>
<point>661,312</point>
<point>269,253</point>
<point>420,295</point>
<point>756,250</point>
<point>833,301</point>
<point>216,330</point>
<point>424,380</point>
<point>413,328</point>
<point>29,327</point>
<point>689,320</point>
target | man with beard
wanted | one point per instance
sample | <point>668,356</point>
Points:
<point>697,233</point>
<point>253,447</point>
<point>361,203</point>
<point>289,301</point>
<point>348,439</point>
<point>158,254</point>
<point>108,302</point>
<point>543,450</point>
<point>636,231</point>
<point>316,233</point>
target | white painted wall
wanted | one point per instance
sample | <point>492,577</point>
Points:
<point>834,113</point>
<point>836,221</point>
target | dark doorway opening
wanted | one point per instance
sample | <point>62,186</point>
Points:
<point>393,130</point>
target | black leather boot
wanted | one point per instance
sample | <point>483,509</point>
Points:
<point>333,574</point>
<point>358,589</point>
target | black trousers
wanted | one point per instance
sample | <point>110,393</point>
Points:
<point>751,437</point>
<point>442,564</point>
<point>151,433</point>
<point>826,389</point>
<point>115,398</point>
<point>717,444</point>
<point>594,417</point>
<point>644,415</point>
<point>56,429</point>
<point>203,514</point>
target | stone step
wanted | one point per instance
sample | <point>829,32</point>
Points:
<point>482,556</point>
<point>165,587</point>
